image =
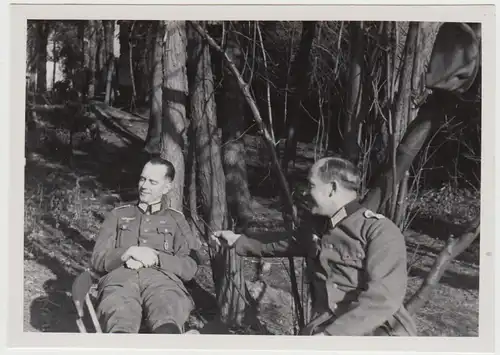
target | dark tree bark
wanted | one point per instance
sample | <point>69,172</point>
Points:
<point>300,74</point>
<point>233,120</point>
<point>109,28</point>
<point>108,34</point>
<point>109,80</point>
<point>355,95</point>
<point>212,181</point>
<point>31,56</point>
<point>191,187</point>
<point>155,116</point>
<point>42,34</point>
<point>124,79</point>
<point>402,100</point>
<point>54,57</point>
<point>147,60</point>
<point>131,66</point>
<point>175,88</point>
<point>92,48</point>
<point>80,80</point>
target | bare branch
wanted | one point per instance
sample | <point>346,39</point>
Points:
<point>453,248</point>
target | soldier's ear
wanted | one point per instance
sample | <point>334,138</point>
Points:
<point>167,187</point>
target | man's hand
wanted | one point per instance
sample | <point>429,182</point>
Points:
<point>133,264</point>
<point>145,255</point>
<point>225,238</point>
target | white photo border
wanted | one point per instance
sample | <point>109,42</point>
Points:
<point>19,341</point>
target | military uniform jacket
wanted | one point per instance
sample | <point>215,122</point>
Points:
<point>162,229</point>
<point>357,266</point>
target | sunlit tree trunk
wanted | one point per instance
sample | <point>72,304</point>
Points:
<point>175,89</point>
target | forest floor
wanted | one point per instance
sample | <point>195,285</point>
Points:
<point>65,205</point>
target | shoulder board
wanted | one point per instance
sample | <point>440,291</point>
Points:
<point>370,214</point>
<point>173,209</point>
<point>120,207</point>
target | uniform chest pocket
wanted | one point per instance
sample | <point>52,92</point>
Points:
<point>124,236</point>
<point>344,253</point>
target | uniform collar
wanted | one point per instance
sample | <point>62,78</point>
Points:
<point>344,212</point>
<point>150,209</point>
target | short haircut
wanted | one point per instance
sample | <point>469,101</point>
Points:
<point>170,174</point>
<point>341,170</point>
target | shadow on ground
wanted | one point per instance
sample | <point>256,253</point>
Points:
<point>441,230</point>
<point>450,278</point>
<point>53,312</point>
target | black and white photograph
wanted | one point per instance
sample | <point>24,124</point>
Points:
<point>253,177</point>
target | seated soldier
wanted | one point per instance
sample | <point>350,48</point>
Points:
<point>145,251</point>
<point>356,258</point>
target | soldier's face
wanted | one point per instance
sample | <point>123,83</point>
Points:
<point>322,194</point>
<point>153,183</point>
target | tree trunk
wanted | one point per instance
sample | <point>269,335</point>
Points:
<point>108,27</point>
<point>428,118</point>
<point>79,76</point>
<point>31,56</point>
<point>155,116</point>
<point>191,190</point>
<point>286,195</point>
<point>416,135</point>
<point>402,101</point>
<point>175,88</point>
<point>108,31</point>
<point>212,181</point>
<point>92,57</point>
<point>54,59</point>
<point>146,61</point>
<point>109,79</point>
<point>401,111</point>
<point>124,79</point>
<point>41,63</point>
<point>232,114</point>
<point>133,101</point>
<point>101,59</point>
<point>300,75</point>
<point>351,147</point>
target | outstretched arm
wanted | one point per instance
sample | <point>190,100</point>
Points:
<point>252,244</point>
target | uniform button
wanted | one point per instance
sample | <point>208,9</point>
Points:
<point>334,306</point>
<point>360,255</point>
<point>335,286</point>
<point>148,219</point>
<point>146,230</point>
<point>143,240</point>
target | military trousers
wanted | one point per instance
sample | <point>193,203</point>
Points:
<point>127,298</point>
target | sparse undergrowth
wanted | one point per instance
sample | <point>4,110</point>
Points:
<point>64,208</point>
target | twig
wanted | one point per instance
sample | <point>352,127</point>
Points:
<point>268,87</point>
<point>131,67</point>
